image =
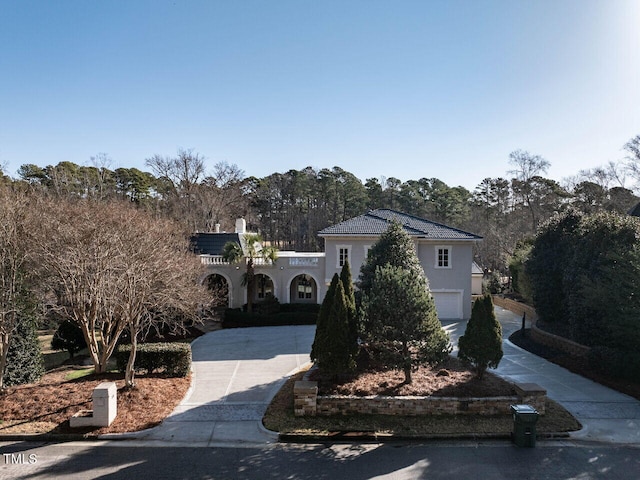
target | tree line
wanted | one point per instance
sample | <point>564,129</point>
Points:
<point>288,209</point>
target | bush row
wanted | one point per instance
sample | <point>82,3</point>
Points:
<point>617,363</point>
<point>235,318</point>
<point>172,358</point>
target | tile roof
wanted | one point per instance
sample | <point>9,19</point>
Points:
<point>376,222</point>
<point>212,243</point>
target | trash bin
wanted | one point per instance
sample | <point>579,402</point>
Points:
<point>525,418</point>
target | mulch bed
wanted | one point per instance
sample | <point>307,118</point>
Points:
<point>46,406</point>
<point>450,379</point>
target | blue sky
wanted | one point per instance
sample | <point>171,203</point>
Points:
<point>404,89</point>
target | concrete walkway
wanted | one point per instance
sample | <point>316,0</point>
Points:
<point>236,374</point>
<point>606,415</point>
<point>238,371</point>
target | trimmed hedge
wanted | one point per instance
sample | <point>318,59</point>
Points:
<point>235,318</point>
<point>173,358</point>
<point>616,363</point>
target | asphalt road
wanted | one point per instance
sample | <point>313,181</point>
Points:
<point>464,460</point>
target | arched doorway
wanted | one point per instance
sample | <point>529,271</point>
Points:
<point>304,289</point>
<point>219,288</point>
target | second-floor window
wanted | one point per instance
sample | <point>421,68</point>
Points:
<point>343,255</point>
<point>443,257</point>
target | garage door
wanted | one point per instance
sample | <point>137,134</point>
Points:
<point>448,304</point>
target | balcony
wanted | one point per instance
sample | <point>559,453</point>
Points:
<point>291,259</point>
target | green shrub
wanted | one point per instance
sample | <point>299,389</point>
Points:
<point>299,307</point>
<point>235,318</point>
<point>68,337</point>
<point>481,344</point>
<point>616,363</point>
<point>172,358</point>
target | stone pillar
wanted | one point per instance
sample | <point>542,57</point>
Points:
<point>305,398</point>
<point>532,394</point>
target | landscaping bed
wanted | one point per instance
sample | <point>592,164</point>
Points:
<point>280,418</point>
<point>450,379</point>
<point>46,406</point>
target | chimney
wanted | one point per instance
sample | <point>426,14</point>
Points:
<point>241,225</point>
<point>217,230</point>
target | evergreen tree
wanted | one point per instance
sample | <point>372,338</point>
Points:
<point>24,358</point>
<point>401,320</point>
<point>347,283</point>
<point>333,347</point>
<point>481,344</point>
<point>338,355</point>
<point>322,329</point>
<point>394,247</point>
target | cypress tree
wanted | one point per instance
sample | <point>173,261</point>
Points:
<point>24,358</point>
<point>481,344</point>
<point>338,355</point>
<point>320,340</point>
<point>347,283</point>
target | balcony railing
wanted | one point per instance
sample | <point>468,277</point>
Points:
<point>294,259</point>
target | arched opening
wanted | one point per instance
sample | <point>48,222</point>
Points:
<point>304,289</point>
<point>219,288</point>
<point>263,287</point>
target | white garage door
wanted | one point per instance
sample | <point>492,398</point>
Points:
<point>448,304</point>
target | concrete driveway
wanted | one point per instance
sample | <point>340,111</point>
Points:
<point>606,415</point>
<point>236,374</point>
<point>238,371</point>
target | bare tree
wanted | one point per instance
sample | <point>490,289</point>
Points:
<point>113,268</point>
<point>15,222</point>
<point>180,176</point>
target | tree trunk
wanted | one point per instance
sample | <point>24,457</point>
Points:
<point>407,363</point>
<point>250,285</point>
<point>3,358</point>
<point>130,371</point>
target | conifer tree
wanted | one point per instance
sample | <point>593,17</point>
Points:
<point>402,322</point>
<point>338,355</point>
<point>332,348</point>
<point>320,340</point>
<point>24,358</point>
<point>347,283</point>
<point>481,344</point>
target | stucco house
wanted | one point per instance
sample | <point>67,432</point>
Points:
<point>446,254</point>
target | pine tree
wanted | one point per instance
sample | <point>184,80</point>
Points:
<point>394,247</point>
<point>481,344</point>
<point>402,320</point>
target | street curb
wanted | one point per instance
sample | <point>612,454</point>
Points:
<point>369,437</point>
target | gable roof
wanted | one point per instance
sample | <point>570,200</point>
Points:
<point>377,221</point>
<point>212,243</point>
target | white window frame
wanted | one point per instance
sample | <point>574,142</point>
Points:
<point>448,263</point>
<point>340,256</point>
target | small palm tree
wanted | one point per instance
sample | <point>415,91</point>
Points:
<point>253,249</point>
